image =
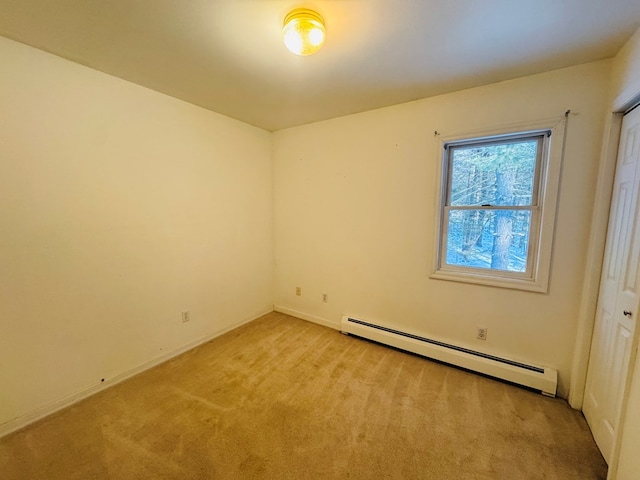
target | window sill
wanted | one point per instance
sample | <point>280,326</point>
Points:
<point>492,280</point>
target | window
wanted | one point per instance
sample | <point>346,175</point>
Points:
<point>497,208</point>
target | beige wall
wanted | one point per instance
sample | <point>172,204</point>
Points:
<point>355,202</point>
<point>119,208</point>
<point>626,81</point>
<point>626,71</point>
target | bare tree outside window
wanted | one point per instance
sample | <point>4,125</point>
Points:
<point>490,199</point>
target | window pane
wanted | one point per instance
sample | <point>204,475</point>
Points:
<point>491,239</point>
<point>498,175</point>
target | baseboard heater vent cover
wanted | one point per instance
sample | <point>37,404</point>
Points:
<point>539,378</point>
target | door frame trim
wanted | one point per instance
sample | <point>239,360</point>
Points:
<point>594,258</point>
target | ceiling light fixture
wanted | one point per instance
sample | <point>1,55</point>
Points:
<point>303,31</point>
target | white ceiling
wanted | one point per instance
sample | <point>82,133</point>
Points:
<point>228,55</point>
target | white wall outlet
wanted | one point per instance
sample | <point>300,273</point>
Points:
<point>325,298</point>
<point>298,291</point>
<point>482,333</point>
<point>186,316</point>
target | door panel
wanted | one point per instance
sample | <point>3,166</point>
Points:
<point>616,384</point>
<point>620,212</point>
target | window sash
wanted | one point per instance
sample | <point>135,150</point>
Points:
<point>532,247</point>
<point>539,137</point>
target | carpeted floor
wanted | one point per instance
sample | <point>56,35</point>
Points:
<point>281,398</point>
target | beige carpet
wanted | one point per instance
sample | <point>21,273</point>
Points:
<point>282,398</point>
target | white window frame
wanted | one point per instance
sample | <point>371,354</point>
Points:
<point>547,176</point>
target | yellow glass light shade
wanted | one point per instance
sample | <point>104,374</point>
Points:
<point>303,31</point>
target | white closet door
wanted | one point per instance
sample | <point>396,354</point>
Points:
<point>612,346</point>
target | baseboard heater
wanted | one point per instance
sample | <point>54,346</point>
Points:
<point>539,378</point>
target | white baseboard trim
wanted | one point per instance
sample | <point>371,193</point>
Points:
<point>46,410</point>
<point>305,316</point>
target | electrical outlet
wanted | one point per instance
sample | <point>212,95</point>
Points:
<point>325,298</point>
<point>186,316</point>
<point>482,333</point>
<point>298,291</point>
